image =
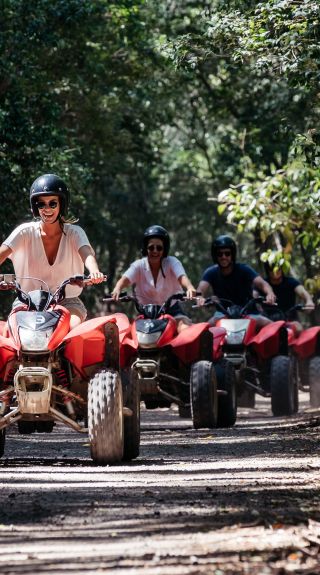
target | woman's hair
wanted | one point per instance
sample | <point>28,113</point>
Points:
<point>65,220</point>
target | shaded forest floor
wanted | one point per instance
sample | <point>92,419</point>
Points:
<point>214,502</point>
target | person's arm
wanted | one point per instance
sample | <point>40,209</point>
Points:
<point>122,283</point>
<point>305,296</point>
<point>91,264</point>
<point>5,252</point>
<point>203,287</point>
<point>260,284</point>
<point>187,286</point>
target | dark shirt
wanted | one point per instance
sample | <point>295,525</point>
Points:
<point>285,292</point>
<point>236,286</point>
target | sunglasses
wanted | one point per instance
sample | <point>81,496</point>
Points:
<point>52,204</point>
<point>157,248</point>
<point>221,253</point>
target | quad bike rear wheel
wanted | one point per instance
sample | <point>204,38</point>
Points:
<point>184,411</point>
<point>282,386</point>
<point>26,427</point>
<point>131,393</point>
<point>227,404</point>
<point>156,403</point>
<point>203,395</point>
<point>44,426</point>
<point>314,381</point>
<point>2,441</point>
<point>246,398</point>
<point>105,417</point>
<point>295,379</point>
<point>303,371</point>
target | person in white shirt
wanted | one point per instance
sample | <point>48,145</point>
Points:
<point>51,248</point>
<point>157,275</point>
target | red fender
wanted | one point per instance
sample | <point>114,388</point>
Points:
<point>85,343</point>
<point>186,345</point>
<point>306,344</point>
<point>219,334</point>
<point>266,343</point>
<point>8,352</point>
<point>62,328</point>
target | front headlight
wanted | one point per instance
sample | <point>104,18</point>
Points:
<point>34,340</point>
<point>236,337</point>
<point>148,339</point>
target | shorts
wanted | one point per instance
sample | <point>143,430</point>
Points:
<point>75,306</point>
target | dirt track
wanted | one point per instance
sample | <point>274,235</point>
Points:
<point>241,500</point>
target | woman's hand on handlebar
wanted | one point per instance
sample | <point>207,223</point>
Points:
<point>96,278</point>
<point>7,282</point>
<point>190,293</point>
<point>4,286</point>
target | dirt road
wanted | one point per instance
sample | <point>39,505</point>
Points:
<point>214,502</point>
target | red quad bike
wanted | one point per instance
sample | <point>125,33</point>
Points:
<point>179,368</point>
<point>49,373</point>
<point>262,360</point>
<point>307,351</point>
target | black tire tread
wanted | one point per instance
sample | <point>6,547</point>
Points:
<point>203,395</point>
<point>227,404</point>
<point>282,386</point>
<point>314,381</point>
<point>2,441</point>
<point>105,417</point>
<point>132,423</point>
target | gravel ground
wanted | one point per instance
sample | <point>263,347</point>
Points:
<point>210,502</point>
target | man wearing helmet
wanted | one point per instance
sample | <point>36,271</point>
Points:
<point>157,275</point>
<point>51,247</point>
<point>231,280</point>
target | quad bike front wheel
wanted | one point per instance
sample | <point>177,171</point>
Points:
<point>105,417</point>
<point>227,403</point>
<point>131,393</point>
<point>203,395</point>
<point>282,386</point>
<point>314,381</point>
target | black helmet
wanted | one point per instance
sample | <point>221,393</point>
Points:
<point>223,242</point>
<point>49,185</point>
<point>156,232</point>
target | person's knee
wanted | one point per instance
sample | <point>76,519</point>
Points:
<point>297,327</point>
<point>75,320</point>
<point>183,324</point>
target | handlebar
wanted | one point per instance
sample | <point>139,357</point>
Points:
<point>233,310</point>
<point>229,308</point>
<point>10,282</point>
<point>162,308</point>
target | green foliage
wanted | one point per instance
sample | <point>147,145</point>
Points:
<point>149,110</point>
<point>278,260</point>
<point>284,204</point>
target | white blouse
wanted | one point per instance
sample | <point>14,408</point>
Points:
<point>29,257</point>
<point>139,273</point>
